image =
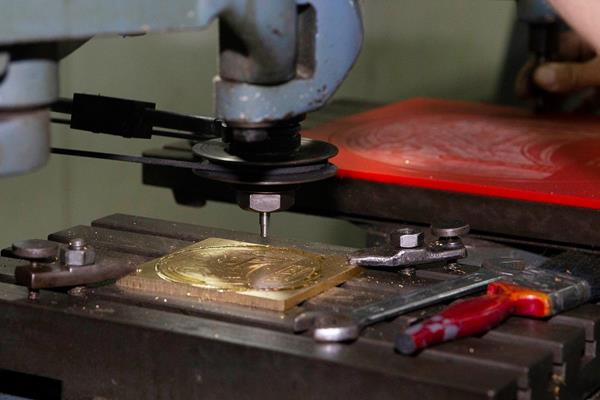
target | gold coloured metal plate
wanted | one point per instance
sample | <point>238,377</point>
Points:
<point>243,266</point>
<point>264,276</point>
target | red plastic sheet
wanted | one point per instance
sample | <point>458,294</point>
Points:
<point>472,148</point>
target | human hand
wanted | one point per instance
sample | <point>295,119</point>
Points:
<point>578,68</point>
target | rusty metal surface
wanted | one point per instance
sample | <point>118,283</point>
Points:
<point>161,345</point>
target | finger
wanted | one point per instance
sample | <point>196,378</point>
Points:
<point>523,81</point>
<point>567,77</point>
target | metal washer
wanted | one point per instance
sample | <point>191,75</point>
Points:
<point>310,152</point>
<point>308,164</point>
<point>35,249</point>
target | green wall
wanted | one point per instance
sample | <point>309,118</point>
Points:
<point>441,48</point>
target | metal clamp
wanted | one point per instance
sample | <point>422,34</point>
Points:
<point>407,247</point>
<point>53,265</point>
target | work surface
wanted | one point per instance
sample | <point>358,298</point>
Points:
<point>109,343</point>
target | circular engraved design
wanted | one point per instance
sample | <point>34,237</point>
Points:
<point>241,267</point>
<point>484,147</point>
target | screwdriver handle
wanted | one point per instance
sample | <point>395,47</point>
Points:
<point>462,318</point>
<point>476,315</point>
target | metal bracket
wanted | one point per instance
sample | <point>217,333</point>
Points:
<point>272,39</point>
<point>52,265</point>
<point>337,37</point>
<point>407,247</point>
<point>37,276</point>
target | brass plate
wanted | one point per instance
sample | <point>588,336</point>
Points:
<point>240,267</point>
<point>244,273</point>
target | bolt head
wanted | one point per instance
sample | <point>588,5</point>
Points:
<point>77,244</point>
<point>449,228</point>
<point>77,257</point>
<point>407,238</point>
<point>265,202</point>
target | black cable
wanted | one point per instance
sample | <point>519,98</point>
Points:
<point>132,118</point>
<point>63,106</point>
<point>165,162</point>
<point>155,132</point>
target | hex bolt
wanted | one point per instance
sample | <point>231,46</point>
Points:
<point>77,244</point>
<point>407,238</point>
<point>77,254</point>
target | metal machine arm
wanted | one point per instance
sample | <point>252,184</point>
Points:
<point>279,58</point>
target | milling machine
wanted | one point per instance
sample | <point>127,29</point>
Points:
<point>278,60</point>
<point>73,333</point>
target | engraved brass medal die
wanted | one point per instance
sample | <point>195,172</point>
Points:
<point>251,274</point>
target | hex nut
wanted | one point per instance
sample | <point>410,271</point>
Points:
<point>265,202</point>
<point>79,257</point>
<point>407,238</point>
